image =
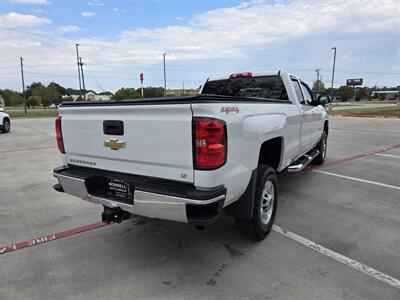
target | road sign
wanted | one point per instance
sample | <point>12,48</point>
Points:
<point>354,82</point>
<point>141,77</point>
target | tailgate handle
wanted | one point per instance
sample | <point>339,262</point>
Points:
<point>113,127</point>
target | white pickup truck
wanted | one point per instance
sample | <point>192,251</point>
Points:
<point>189,159</point>
<point>5,124</point>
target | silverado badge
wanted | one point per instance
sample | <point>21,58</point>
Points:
<point>114,144</point>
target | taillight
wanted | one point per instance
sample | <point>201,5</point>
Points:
<point>60,142</point>
<point>209,143</point>
<point>239,75</point>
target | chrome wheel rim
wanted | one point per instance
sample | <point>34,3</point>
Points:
<point>267,202</point>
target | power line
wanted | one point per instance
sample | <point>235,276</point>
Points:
<point>50,75</point>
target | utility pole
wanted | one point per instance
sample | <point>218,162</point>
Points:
<point>317,71</point>
<point>141,77</point>
<point>165,77</point>
<point>83,78</point>
<point>333,70</point>
<point>23,83</point>
<point>183,88</point>
<point>79,72</point>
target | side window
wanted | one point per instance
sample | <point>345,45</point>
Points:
<point>307,94</point>
<point>297,89</point>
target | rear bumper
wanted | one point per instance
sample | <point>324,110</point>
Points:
<point>153,198</point>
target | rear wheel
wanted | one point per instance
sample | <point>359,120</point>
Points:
<point>6,126</point>
<point>321,147</point>
<point>265,205</point>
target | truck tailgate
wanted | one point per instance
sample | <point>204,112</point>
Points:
<point>156,139</point>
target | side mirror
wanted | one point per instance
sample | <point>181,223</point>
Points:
<point>323,100</point>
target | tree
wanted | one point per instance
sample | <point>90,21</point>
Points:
<point>38,86</point>
<point>329,90</point>
<point>318,87</point>
<point>70,91</point>
<point>108,93</point>
<point>126,93</point>
<point>149,92</point>
<point>345,93</point>
<point>362,93</point>
<point>57,97</point>
<point>11,98</point>
<point>34,101</point>
<point>51,96</point>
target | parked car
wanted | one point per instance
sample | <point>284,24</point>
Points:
<point>5,124</point>
<point>189,159</point>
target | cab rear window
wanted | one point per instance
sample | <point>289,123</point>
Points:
<point>270,87</point>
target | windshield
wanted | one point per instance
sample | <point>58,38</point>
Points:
<point>271,87</point>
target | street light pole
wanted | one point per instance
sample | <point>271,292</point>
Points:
<point>165,77</point>
<point>333,70</point>
<point>79,72</point>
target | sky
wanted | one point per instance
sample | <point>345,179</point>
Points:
<point>203,39</point>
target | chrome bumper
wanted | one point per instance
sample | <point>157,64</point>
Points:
<point>146,203</point>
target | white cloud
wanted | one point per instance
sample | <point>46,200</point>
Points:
<point>13,20</point>
<point>95,3</point>
<point>118,11</point>
<point>180,18</point>
<point>31,1</point>
<point>68,28</point>
<point>87,14</point>
<point>38,10</point>
<point>280,34</point>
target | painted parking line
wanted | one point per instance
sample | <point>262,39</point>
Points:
<point>365,116</point>
<point>387,155</point>
<point>354,157</point>
<point>339,257</point>
<point>359,180</point>
<point>49,238</point>
<point>26,149</point>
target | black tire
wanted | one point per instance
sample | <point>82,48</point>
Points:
<point>6,126</point>
<point>321,147</point>
<point>255,227</point>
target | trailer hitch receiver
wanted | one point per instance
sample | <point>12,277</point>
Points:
<point>114,215</point>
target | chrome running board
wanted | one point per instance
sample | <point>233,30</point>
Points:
<point>303,161</point>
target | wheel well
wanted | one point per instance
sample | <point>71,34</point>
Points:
<point>270,152</point>
<point>326,126</point>
<point>6,118</point>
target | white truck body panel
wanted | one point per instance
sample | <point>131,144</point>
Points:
<point>158,139</point>
<point>247,130</point>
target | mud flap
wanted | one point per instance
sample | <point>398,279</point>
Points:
<point>243,208</point>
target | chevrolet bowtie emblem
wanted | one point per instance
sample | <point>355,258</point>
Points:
<point>114,144</point>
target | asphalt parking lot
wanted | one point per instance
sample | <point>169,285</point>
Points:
<point>350,207</point>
